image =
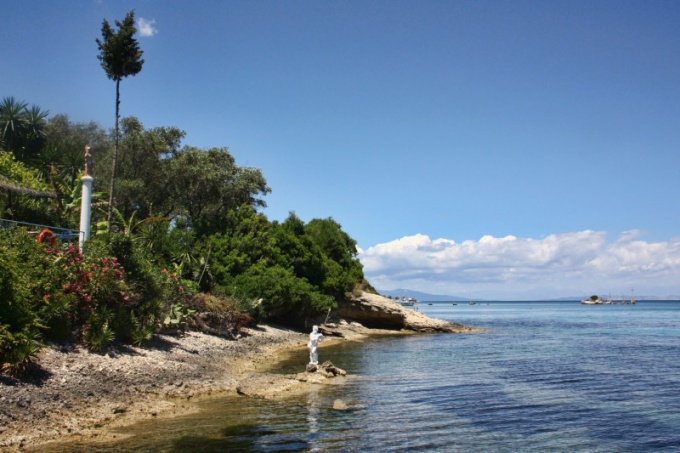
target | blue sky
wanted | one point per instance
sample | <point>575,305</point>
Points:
<point>495,149</point>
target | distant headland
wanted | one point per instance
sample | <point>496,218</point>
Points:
<point>422,296</point>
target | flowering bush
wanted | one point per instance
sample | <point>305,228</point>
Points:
<point>88,298</point>
<point>99,282</point>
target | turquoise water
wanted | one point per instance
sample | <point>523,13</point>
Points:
<point>547,376</point>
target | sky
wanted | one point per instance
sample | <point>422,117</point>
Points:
<point>484,149</point>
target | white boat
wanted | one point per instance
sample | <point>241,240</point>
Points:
<point>592,301</point>
<point>407,301</point>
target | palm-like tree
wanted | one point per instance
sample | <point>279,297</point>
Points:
<point>22,129</point>
<point>33,133</point>
<point>120,57</point>
<point>13,122</point>
<point>36,120</point>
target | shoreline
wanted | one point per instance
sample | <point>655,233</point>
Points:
<point>83,396</point>
<point>80,394</point>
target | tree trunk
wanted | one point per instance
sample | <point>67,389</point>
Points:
<point>115,160</point>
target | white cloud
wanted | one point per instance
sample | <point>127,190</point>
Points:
<point>146,27</point>
<point>565,264</point>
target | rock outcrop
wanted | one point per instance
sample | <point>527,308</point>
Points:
<point>379,312</point>
<point>272,385</point>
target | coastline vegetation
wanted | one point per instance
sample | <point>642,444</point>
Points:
<point>187,248</point>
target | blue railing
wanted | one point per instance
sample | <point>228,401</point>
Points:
<point>63,234</point>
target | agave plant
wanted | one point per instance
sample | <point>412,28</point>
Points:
<point>19,351</point>
<point>98,334</point>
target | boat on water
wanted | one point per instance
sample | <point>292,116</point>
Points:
<point>595,300</point>
<point>407,301</point>
<point>592,301</point>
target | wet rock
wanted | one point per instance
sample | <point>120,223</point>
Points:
<point>330,369</point>
<point>340,405</point>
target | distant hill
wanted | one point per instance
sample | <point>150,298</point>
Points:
<point>418,295</point>
<point>421,296</point>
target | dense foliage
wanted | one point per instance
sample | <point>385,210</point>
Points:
<point>188,246</point>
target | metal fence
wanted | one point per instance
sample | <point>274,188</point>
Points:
<point>63,234</point>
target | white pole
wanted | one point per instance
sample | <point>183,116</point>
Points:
<point>85,210</point>
<point>86,200</point>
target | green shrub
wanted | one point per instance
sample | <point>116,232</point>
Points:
<point>176,313</point>
<point>23,270</point>
<point>217,315</point>
<point>18,351</point>
<point>283,295</point>
<point>97,333</point>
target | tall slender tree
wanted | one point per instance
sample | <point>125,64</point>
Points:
<point>120,57</point>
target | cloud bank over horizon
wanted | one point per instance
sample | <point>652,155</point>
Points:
<point>559,265</point>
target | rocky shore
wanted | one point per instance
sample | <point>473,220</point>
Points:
<point>78,394</point>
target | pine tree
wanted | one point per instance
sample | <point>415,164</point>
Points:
<point>120,57</point>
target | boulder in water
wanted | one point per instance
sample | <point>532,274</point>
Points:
<point>340,405</point>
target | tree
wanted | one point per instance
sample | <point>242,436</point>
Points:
<point>22,192</point>
<point>22,129</point>
<point>343,270</point>
<point>207,185</point>
<point>65,143</point>
<point>120,57</point>
<point>142,178</point>
<point>13,121</point>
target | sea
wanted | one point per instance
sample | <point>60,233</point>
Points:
<point>544,377</point>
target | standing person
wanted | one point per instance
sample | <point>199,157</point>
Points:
<point>314,339</point>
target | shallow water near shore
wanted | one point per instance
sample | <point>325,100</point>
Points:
<point>547,376</point>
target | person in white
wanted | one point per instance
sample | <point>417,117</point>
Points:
<point>314,339</point>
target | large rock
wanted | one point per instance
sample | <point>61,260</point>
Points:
<point>378,312</point>
<point>271,385</point>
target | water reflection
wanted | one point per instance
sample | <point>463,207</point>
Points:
<point>313,412</point>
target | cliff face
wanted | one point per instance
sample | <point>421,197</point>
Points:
<point>378,312</point>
